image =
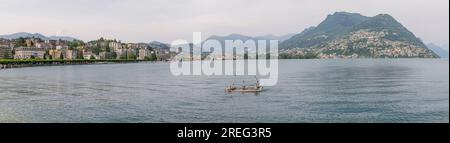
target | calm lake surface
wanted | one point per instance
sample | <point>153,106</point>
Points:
<point>364,90</point>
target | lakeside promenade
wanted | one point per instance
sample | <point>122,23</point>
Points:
<point>6,63</point>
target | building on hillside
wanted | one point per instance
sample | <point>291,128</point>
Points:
<point>62,47</point>
<point>51,42</point>
<point>30,42</point>
<point>115,46</point>
<point>161,51</point>
<point>62,42</point>
<point>137,45</point>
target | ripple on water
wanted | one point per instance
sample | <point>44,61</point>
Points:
<point>410,90</point>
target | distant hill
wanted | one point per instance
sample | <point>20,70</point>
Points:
<point>236,36</point>
<point>274,37</point>
<point>347,34</point>
<point>159,45</point>
<point>24,35</point>
<point>65,38</point>
<point>231,37</point>
<point>244,38</point>
<point>438,50</point>
<point>36,35</point>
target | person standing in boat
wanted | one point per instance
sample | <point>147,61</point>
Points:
<point>257,84</point>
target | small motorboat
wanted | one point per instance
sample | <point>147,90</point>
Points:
<point>252,88</point>
<point>244,89</point>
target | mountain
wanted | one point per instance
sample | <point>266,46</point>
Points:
<point>24,35</point>
<point>36,35</point>
<point>352,34</point>
<point>332,27</point>
<point>438,50</point>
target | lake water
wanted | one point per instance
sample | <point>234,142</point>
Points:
<point>364,90</point>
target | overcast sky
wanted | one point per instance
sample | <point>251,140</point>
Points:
<point>168,20</point>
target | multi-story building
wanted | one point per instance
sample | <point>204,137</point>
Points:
<point>115,46</point>
<point>137,45</point>
<point>119,53</point>
<point>130,52</point>
<point>62,47</point>
<point>29,53</point>
<point>56,54</point>
<point>70,54</point>
<point>44,45</point>
<point>5,51</point>
<point>88,55</point>
<point>143,53</point>
<point>52,42</point>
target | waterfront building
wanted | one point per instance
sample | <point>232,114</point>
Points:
<point>5,51</point>
<point>119,53</point>
<point>143,53</point>
<point>87,55</point>
<point>102,55</point>
<point>56,54</point>
<point>130,53</point>
<point>70,54</point>
<point>29,53</point>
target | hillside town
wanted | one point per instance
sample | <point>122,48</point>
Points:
<point>362,44</point>
<point>36,48</point>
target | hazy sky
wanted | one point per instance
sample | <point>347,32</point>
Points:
<point>168,20</point>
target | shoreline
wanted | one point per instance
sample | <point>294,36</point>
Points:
<point>10,64</point>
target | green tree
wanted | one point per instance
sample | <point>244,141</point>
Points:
<point>132,57</point>
<point>47,54</point>
<point>20,42</point>
<point>80,54</point>
<point>152,57</point>
<point>108,49</point>
<point>113,55</point>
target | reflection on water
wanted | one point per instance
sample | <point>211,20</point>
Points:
<point>406,90</point>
